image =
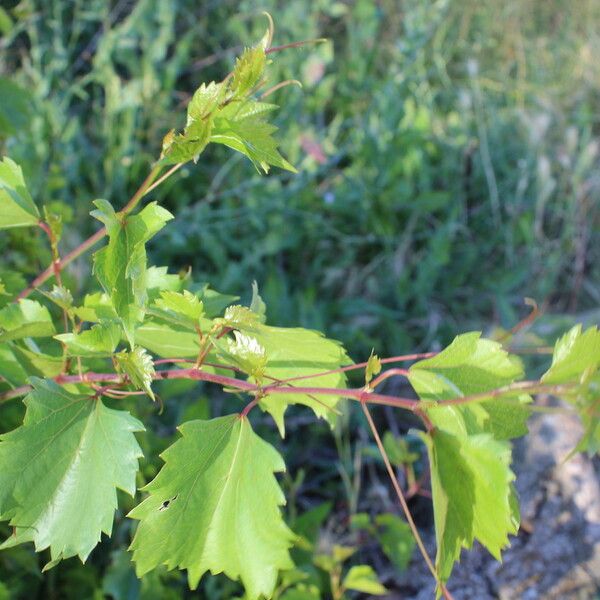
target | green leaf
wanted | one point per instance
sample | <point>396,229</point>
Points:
<point>308,523</point>
<point>96,307</point>
<point>60,470</point>
<point>139,367</point>
<point>17,209</point>
<point>295,352</point>
<point>15,101</point>
<point>590,419</point>
<point>257,304</point>
<point>250,135</point>
<point>471,484</point>
<point>472,365</point>
<point>575,361</point>
<point>180,148</point>
<point>167,341</point>
<point>246,353</point>
<point>27,318</point>
<point>205,101</point>
<point>215,505</point>
<point>302,592</point>
<point>576,356</point>
<point>100,340</point>
<point>215,302</point>
<point>121,265</point>
<point>38,363</point>
<point>10,367</point>
<point>6,23</point>
<point>61,296</point>
<point>373,368</point>
<point>159,279</point>
<point>362,578</point>
<point>398,451</point>
<point>185,308</point>
<point>249,68</point>
<point>238,316</point>
<point>396,539</point>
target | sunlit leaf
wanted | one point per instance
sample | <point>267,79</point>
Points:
<point>215,506</point>
<point>59,471</point>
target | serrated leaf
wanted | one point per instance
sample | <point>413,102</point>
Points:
<point>205,101</point>
<point>139,367</point>
<point>185,307</point>
<point>253,137</point>
<point>576,356</point>
<point>100,340</point>
<point>373,367</point>
<point>215,506</point>
<point>362,578</point>
<point>238,316</point>
<point>121,265</point>
<point>296,352</point>
<point>27,318</point>
<point>249,68</point>
<point>180,148</point>
<point>472,492</point>
<point>246,353</point>
<point>575,361</point>
<point>472,365</point>
<point>60,470</point>
<point>17,209</point>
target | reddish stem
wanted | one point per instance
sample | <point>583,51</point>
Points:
<point>248,408</point>
<point>521,386</point>
<point>362,365</point>
<point>295,45</point>
<point>387,375</point>
<point>91,241</point>
<point>228,382</point>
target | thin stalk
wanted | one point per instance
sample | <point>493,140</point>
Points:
<point>164,177</point>
<point>521,386</point>
<point>386,375</point>
<point>295,45</point>
<point>56,268</point>
<point>91,241</point>
<point>403,503</point>
<point>362,365</point>
<point>248,408</point>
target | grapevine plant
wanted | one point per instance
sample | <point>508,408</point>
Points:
<point>216,504</point>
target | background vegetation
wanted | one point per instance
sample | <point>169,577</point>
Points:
<point>448,156</point>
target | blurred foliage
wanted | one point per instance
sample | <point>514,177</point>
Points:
<point>448,154</point>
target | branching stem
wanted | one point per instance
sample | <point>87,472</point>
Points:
<point>91,241</point>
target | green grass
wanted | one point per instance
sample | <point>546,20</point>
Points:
<point>448,156</point>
